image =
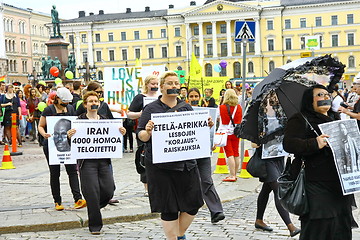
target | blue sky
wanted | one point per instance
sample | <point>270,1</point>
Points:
<point>69,8</point>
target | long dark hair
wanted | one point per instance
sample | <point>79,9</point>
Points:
<point>308,98</point>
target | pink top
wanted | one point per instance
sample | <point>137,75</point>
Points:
<point>23,104</point>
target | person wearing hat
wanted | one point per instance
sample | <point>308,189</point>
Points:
<point>353,112</point>
<point>60,107</point>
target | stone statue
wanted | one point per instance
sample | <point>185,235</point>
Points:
<point>55,21</point>
<point>57,63</point>
<point>71,64</point>
<point>48,64</point>
<point>45,71</point>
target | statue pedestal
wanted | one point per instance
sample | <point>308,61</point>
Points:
<point>58,47</point>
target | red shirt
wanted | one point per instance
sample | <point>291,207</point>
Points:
<point>225,118</point>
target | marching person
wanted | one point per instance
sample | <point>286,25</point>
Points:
<point>96,176</point>
<point>174,188</point>
<point>232,146</point>
<point>61,107</point>
<point>330,212</point>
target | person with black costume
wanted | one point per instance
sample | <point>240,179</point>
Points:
<point>330,212</point>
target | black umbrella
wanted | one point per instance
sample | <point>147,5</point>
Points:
<point>279,95</point>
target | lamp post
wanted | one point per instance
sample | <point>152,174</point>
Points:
<point>87,72</point>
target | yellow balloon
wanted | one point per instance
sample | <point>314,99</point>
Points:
<point>58,81</point>
<point>69,75</point>
<point>42,106</point>
<point>42,83</point>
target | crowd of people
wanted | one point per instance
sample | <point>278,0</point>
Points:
<point>178,189</point>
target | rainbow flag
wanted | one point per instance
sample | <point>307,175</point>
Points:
<point>2,78</point>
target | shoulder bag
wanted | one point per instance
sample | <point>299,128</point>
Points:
<point>236,126</point>
<point>291,193</point>
<point>256,166</point>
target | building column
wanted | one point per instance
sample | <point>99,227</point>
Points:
<point>228,38</point>
<point>214,39</point>
<point>201,40</point>
<point>187,40</point>
<point>77,49</point>
<point>257,37</point>
<point>90,48</point>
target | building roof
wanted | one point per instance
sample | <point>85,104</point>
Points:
<point>305,2</point>
<point>117,16</point>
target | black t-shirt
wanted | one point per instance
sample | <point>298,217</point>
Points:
<point>357,110</point>
<point>137,103</point>
<point>103,110</point>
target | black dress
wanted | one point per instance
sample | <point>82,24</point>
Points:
<point>330,215</point>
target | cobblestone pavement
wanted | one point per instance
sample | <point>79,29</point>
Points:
<point>238,225</point>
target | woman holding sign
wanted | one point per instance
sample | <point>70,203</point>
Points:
<point>330,212</point>
<point>174,187</point>
<point>96,176</point>
<point>150,90</point>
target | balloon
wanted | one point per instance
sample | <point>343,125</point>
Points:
<point>54,71</point>
<point>42,83</point>
<point>42,106</point>
<point>247,86</point>
<point>69,75</point>
<point>217,68</point>
<point>223,64</point>
<point>58,80</point>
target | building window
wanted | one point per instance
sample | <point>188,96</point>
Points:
<point>334,40</point>
<point>177,32</point>
<point>302,43</point>
<point>350,18</point>
<point>321,41</point>
<point>270,44</point>
<point>303,22</point>
<point>251,47</point>
<point>197,51</point>
<point>136,35</point>
<point>111,55</point>
<point>124,54</point>
<point>98,56</point>
<point>208,29</point>
<point>24,66</point>
<point>123,36</point>
<point>222,28</point>
<point>196,30</point>
<point>287,23</point>
<point>209,48</point>
<point>83,38</point>
<point>270,25</point>
<point>150,34</point>
<point>100,75</point>
<point>351,62</point>
<point>85,57</point>
<point>318,21</point>
<point>334,20</point>
<point>350,39</point>
<point>208,70</point>
<point>137,53</point>
<point>164,53</point>
<point>97,37</point>
<point>271,66</point>
<point>163,33</point>
<point>238,47</point>
<point>178,51</point>
<point>151,52</point>
<point>237,70</point>
<point>223,49</point>
<point>250,67</point>
<point>288,43</point>
<point>111,37</point>
<point>223,72</point>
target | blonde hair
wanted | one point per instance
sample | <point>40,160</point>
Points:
<point>165,75</point>
<point>147,81</point>
<point>230,97</point>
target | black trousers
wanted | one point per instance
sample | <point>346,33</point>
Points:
<point>97,185</point>
<point>55,178</point>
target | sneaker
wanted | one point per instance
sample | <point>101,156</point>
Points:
<point>81,203</point>
<point>131,150</point>
<point>36,141</point>
<point>19,145</point>
<point>59,207</point>
<point>95,233</point>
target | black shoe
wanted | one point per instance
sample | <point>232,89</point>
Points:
<point>217,217</point>
<point>295,232</point>
<point>265,228</point>
<point>113,201</point>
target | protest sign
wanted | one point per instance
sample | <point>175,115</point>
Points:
<point>59,147</point>
<point>122,84</point>
<point>344,142</point>
<point>148,100</point>
<point>274,148</point>
<point>97,139</point>
<point>180,136</point>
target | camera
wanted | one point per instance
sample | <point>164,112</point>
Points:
<point>344,105</point>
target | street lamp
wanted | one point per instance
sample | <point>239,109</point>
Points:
<point>87,72</point>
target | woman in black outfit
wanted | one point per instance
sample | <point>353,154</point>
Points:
<point>97,181</point>
<point>330,215</point>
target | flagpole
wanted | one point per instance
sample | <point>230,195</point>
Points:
<point>242,144</point>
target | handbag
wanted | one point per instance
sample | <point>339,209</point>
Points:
<point>220,138</point>
<point>291,193</point>
<point>236,126</point>
<point>256,165</point>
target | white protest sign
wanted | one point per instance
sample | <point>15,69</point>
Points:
<point>59,147</point>
<point>96,139</point>
<point>148,100</point>
<point>344,142</point>
<point>180,136</point>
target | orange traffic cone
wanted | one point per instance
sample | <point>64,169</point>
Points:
<point>244,173</point>
<point>221,166</point>
<point>216,150</point>
<point>6,161</point>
